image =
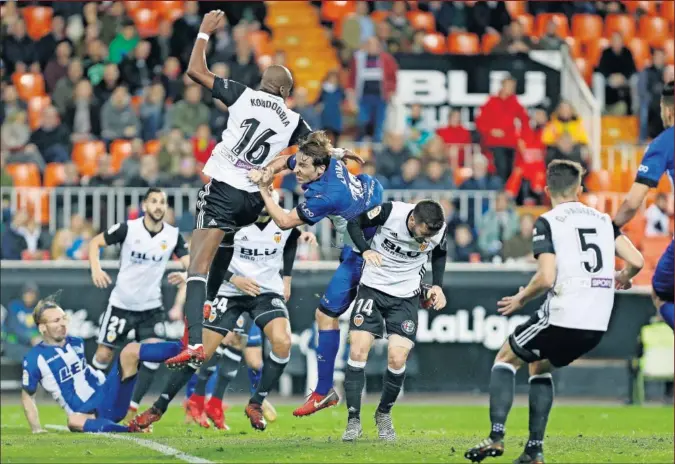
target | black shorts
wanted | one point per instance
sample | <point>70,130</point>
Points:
<point>116,323</point>
<point>226,313</point>
<point>536,339</point>
<point>221,206</point>
<point>383,315</point>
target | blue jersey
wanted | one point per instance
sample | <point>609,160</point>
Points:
<point>64,373</point>
<point>657,160</point>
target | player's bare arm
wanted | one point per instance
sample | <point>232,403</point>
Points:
<point>100,278</point>
<point>542,281</point>
<point>31,412</point>
<point>280,217</point>
<point>631,204</point>
<point>197,69</point>
<point>634,262</point>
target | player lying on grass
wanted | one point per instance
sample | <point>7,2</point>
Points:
<point>330,191</point>
<point>388,298</point>
<point>252,285</point>
<point>92,401</point>
<point>575,247</point>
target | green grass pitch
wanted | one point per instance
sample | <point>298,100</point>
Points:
<point>426,433</point>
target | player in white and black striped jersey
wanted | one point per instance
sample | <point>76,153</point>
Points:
<point>575,246</point>
<point>147,245</point>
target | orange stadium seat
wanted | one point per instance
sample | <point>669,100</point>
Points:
<point>598,181</point>
<point>38,21</point>
<point>667,11</point>
<point>489,42</point>
<point>132,6</point>
<point>653,248</point>
<point>632,6</point>
<point>119,150</point>
<point>435,43</point>
<point>654,30</point>
<point>527,22</point>
<point>35,107</point>
<point>563,27</point>
<point>669,48</point>
<point>24,174</point>
<point>379,15</point>
<point>36,202</point>
<point>635,229</point>
<point>86,156</point>
<point>168,9</point>
<point>463,43</point>
<point>55,174</point>
<point>147,21</point>
<point>260,41</point>
<point>622,23</point>
<point>422,20</point>
<point>594,49</point>
<point>641,52</point>
<point>586,27</point>
<point>152,147</point>
<point>29,85</point>
<point>585,68</point>
<point>516,7</point>
<point>575,47</point>
<point>336,10</point>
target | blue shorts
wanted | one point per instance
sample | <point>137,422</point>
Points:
<point>254,336</point>
<point>662,280</point>
<point>343,285</point>
<point>114,396</point>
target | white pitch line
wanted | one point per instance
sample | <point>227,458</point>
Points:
<point>163,449</point>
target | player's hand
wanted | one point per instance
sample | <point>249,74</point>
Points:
<point>510,304</point>
<point>622,281</point>
<point>177,278</point>
<point>309,238</point>
<point>436,295</point>
<point>246,285</point>
<point>213,20</point>
<point>100,278</point>
<point>373,258</point>
<point>287,288</point>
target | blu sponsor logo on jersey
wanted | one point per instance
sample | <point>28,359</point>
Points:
<point>391,247</point>
<point>252,254</point>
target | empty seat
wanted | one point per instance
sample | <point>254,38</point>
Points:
<point>669,48</point>
<point>633,6</point>
<point>29,85</point>
<point>527,21</point>
<point>435,43</point>
<point>379,15</point>
<point>585,68</point>
<point>621,23</point>
<point>38,21</point>
<point>35,107</point>
<point>147,21</point>
<point>24,174</point>
<point>575,47</point>
<point>335,10</point>
<point>562,26</point>
<point>422,20</point>
<point>152,147</point>
<point>119,151</point>
<point>598,181</point>
<point>516,7</point>
<point>55,174</point>
<point>667,11</point>
<point>463,43</point>
<point>594,49</point>
<point>654,30</point>
<point>641,52</point>
<point>86,156</point>
<point>168,9</point>
<point>586,27</point>
<point>489,42</point>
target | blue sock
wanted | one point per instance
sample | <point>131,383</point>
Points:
<point>158,352</point>
<point>211,384</point>
<point>326,352</point>
<point>254,378</point>
<point>103,425</point>
<point>190,387</point>
<point>666,311</point>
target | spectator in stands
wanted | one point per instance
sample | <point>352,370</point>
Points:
<point>550,40</point>
<point>171,150</point>
<point>449,16</point>
<point>19,52</point>
<point>71,176</point>
<point>496,125</point>
<point>151,112</point>
<point>650,84</point>
<point>185,31</point>
<point>171,79</point>
<point>190,112</point>
<point>330,103</point>
<point>410,171</point>
<point>149,174</point>
<point>497,226</point>
<point>63,240</point>
<point>202,144</point>
<point>160,49</point>
<point>514,41</point>
<point>565,148</point>
<point>47,45</point>
<point>218,117</point>
<point>90,14</point>
<point>519,247</point>
<point>20,329</point>
<point>565,121</point>
<point>370,169</point>
<point>57,66</point>
<point>244,68</point>
<point>358,28</point>
<point>617,65</point>
<point>418,132</point>
<point>105,175</point>
<point>80,234</point>
<point>83,115</point>
<point>463,249</point>
<point>305,109</point>
<point>401,31</point>
<point>187,175</point>
<point>658,217</point>
<point>131,165</point>
<point>436,177</point>
<point>118,119</point>
<point>393,154</point>
<point>5,179</point>
<point>223,45</point>
<point>11,104</point>
<point>111,21</point>
<point>417,45</point>
<point>488,18</point>
<point>135,69</point>
<point>24,238</point>
<point>456,137</point>
<point>52,138</point>
<point>124,42</point>
<point>480,178</point>
<point>63,92</point>
<point>218,69</point>
<point>110,81</point>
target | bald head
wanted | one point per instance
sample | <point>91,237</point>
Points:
<point>277,80</point>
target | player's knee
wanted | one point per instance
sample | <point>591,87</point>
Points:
<point>326,322</point>
<point>358,351</point>
<point>281,345</point>
<point>130,353</point>
<point>396,361</point>
<point>540,368</point>
<point>506,355</point>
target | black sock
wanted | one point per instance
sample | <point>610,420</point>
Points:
<point>194,306</point>
<point>204,373</point>
<point>145,375</point>
<point>177,380</point>
<point>541,400</point>
<point>217,271</point>
<point>227,371</point>
<point>272,369</point>
<point>355,380</point>
<point>502,390</point>
<point>391,387</point>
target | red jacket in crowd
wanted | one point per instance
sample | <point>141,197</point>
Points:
<point>202,149</point>
<point>530,165</point>
<point>457,137</point>
<point>502,113</point>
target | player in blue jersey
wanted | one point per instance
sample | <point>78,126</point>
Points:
<point>658,159</point>
<point>330,191</point>
<point>92,401</point>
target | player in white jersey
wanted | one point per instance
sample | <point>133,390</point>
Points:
<point>575,246</point>
<point>260,125</point>
<point>147,245</point>
<point>388,298</point>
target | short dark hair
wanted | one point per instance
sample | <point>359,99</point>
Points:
<point>150,191</point>
<point>49,302</point>
<point>317,146</point>
<point>429,212</point>
<point>667,94</point>
<point>563,176</point>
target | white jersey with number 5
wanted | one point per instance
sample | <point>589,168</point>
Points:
<point>582,240</point>
<point>259,126</point>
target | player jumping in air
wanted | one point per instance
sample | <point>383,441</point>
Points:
<point>330,191</point>
<point>147,245</point>
<point>388,298</point>
<point>92,401</point>
<point>575,247</point>
<point>658,159</point>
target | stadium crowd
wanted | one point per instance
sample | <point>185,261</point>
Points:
<point>108,78</point>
